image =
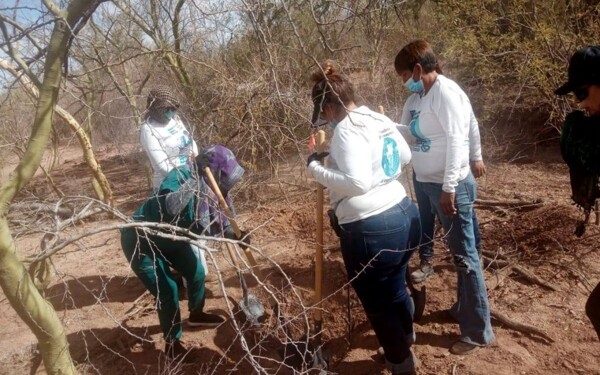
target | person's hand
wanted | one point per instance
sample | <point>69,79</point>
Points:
<point>478,168</point>
<point>244,239</point>
<point>316,156</point>
<point>203,160</point>
<point>447,203</point>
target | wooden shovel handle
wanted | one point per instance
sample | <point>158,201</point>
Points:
<point>320,142</point>
<point>236,229</point>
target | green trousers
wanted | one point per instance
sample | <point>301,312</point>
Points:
<point>151,258</point>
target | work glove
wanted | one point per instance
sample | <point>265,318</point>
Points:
<point>316,156</point>
<point>203,160</point>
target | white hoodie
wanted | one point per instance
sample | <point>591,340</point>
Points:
<point>167,145</point>
<point>366,157</point>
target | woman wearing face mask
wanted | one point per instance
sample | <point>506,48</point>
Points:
<point>378,224</point>
<point>166,141</point>
<point>439,115</point>
<point>163,136</point>
<point>184,200</point>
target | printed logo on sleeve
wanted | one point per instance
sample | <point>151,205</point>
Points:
<point>422,143</point>
<point>390,160</point>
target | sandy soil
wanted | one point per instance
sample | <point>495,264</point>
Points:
<point>112,328</point>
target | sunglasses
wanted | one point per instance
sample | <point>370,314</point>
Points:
<point>581,93</point>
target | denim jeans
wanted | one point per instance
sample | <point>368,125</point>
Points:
<point>376,252</point>
<point>150,259</point>
<point>427,215</point>
<point>472,307</point>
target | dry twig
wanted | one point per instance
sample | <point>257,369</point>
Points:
<point>518,326</point>
<point>527,274</point>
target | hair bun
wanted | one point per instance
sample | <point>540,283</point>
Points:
<point>329,67</point>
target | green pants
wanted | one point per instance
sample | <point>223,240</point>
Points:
<point>150,258</point>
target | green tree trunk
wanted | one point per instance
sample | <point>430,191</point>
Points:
<point>24,297</point>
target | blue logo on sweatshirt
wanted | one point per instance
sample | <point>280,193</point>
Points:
<point>422,143</point>
<point>390,159</point>
<point>185,147</point>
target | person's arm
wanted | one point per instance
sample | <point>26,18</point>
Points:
<point>194,148</point>
<point>405,153</point>
<point>475,158</point>
<point>474,139</point>
<point>154,150</point>
<point>403,127</point>
<point>353,157</point>
<point>451,115</point>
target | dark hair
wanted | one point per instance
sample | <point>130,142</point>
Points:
<point>330,87</point>
<point>417,52</point>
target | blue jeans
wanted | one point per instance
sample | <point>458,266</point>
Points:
<point>472,307</point>
<point>376,252</point>
<point>428,224</point>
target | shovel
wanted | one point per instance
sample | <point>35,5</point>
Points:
<point>299,353</point>
<point>236,229</point>
<point>319,362</point>
<point>250,304</point>
<point>419,297</point>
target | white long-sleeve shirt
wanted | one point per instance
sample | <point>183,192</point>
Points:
<point>366,155</point>
<point>441,124</point>
<point>474,139</point>
<point>167,145</point>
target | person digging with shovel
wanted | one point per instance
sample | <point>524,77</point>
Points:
<point>183,199</point>
<point>377,223</point>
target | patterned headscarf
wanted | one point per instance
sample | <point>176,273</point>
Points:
<point>160,98</point>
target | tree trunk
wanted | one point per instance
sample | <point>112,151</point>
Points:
<point>16,283</point>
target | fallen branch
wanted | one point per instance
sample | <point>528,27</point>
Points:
<point>508,203</point>
<point>63,212</point>
<point>530,276</point>
<point>518,326</point>
<point>493,255</point>
<point>143,302</point>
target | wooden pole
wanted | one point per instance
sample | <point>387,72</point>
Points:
<point>320,143</point>
<point>236,229</point>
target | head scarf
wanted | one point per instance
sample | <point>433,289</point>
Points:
<point>160,98</point>
<point>223,165</point>
<point>227,172</point>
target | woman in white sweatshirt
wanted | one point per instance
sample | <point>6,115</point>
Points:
<point>439,115</point>
<point>163,135</point>
<point>166,141</point>
<point>378,224</point>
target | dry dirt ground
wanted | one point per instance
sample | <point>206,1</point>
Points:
<point>112,328</point>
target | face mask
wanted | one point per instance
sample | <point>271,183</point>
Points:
<point>415,86</point>
<point>169,114</point>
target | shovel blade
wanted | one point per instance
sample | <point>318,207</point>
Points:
<point>253,309</point>
<point>420,299</point>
